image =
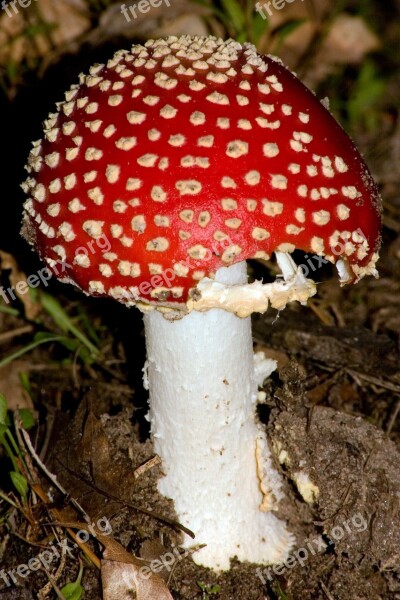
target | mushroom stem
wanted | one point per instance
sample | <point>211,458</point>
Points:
<point>201,376</point>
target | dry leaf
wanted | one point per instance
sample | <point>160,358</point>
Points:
<point>95,450</point>
<point>12,43</point>
<point>8,263</point>
<point>71,20</point>
<point>187,24</point>
<point>120,580</point>
<point>281,357</point>
<point>296,43</point>
<point>11,387</point>
<point>69,17</point>
<point>153,550</point>
<point>290,12</point>
<point>348,41</point>
<point>122,573</point>
<point>180,16</point>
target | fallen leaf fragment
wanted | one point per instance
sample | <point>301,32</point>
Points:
<point>122,574</point>
<point>349,40</point>
<point>120,580</point>
<point>12,388</point>
<point>8,263</point>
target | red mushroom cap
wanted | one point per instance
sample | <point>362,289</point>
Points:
<point>189,154</point>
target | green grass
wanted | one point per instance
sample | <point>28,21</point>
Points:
<point>54,325</point>
<point>74,590</point>
<point>208,590</point>
<point>357,98</point>
<point>15,456</point>
<point>239,19</point>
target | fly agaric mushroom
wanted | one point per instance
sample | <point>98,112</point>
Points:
<point>191,155</point>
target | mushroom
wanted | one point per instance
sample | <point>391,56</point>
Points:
<point>191,155</point>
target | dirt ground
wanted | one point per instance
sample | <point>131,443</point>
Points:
<point>332,409</point>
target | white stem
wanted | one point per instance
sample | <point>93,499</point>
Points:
<point>215,457</point>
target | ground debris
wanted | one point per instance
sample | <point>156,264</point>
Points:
<point>352,469</point>
<point>351,347</point>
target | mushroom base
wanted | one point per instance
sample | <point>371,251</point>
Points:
<point>203,390</point>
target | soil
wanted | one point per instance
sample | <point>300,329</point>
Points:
<point>331,410</point>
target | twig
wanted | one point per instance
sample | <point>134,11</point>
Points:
<point>49,429</point>
<point>342,505</point>
<point>393,418</point>
<point>326,591</point>
<point>44,497</point>
<point>9,335</point>
<point>74,367</point>
<point>149,464</point>
<point>322,315</point>
<point>145,511</point>
<point>339,317</point>
<point>29,469</point>
<point>190,553</point>
<point>374,381</point>
<point>47,588</point>
<point>45,591</point>
<point>52,477</point>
